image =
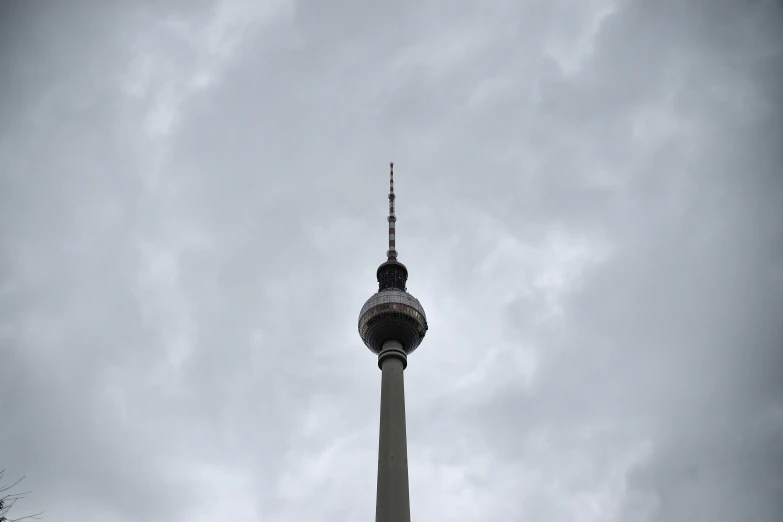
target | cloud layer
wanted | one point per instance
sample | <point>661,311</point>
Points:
<point>192,202</point>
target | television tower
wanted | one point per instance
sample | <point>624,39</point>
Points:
<point>392,324</point>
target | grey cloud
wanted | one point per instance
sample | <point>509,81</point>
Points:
<point>591,221</point>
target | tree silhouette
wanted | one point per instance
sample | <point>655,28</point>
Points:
<point>8,499</point>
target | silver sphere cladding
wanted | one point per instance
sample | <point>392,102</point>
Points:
<point>392,315</point>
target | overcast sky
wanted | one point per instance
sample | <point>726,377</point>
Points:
<point>590,205</point>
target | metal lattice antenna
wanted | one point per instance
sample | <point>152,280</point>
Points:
<point>391,254</point>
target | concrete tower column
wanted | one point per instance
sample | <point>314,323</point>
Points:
<point>392,501</point>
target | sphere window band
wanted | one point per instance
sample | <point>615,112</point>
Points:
<point>409,310</point>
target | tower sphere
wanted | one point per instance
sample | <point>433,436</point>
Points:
<point>392,314</point>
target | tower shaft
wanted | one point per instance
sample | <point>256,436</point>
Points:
<point>392,501</point>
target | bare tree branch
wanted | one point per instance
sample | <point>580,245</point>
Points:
<point>6,488</point>
<point>8,501</point>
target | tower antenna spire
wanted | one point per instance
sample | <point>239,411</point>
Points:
<point>391,254</point>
